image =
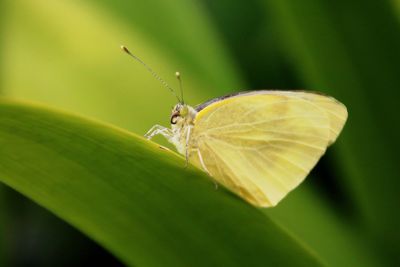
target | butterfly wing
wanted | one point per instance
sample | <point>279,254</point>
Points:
<point>262,144</point>
<point>336,111</point>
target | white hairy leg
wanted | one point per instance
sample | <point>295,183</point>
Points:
<point>158,129</point>
<point>205,168</point>
<point>186,146</point>
<point>202,162</point>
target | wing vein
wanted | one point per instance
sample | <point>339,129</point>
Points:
<point>297,134</point>
<point>267,141</point>
<point>267,121</point>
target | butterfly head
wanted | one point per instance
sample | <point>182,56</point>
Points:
<point>182,114</point>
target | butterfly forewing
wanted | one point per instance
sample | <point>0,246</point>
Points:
<point>336,111</point>
<point>262,144</point>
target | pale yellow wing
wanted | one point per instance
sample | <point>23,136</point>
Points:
<point>261,145</point>
<point>336,111</point>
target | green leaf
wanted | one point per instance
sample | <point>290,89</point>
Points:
<point>3,228</point>
<point>133,197</point>
<point>305,213</point>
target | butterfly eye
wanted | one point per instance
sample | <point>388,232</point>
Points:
<point>174,118</point>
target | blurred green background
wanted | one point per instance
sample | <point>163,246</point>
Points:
<point>66,54</point>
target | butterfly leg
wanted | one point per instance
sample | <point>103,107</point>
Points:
<point>202,162</point>
<point>187,146</point>
<point>205,168</point>
<point>158,129</point>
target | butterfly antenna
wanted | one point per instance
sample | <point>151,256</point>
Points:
<point>155,75</point>
<point>178,76</point>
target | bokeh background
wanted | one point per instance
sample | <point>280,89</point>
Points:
<point>66,54</point>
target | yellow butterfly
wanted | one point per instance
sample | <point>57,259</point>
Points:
<point>258,144</point>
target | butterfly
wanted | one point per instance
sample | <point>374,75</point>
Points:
<point>258,144</point>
